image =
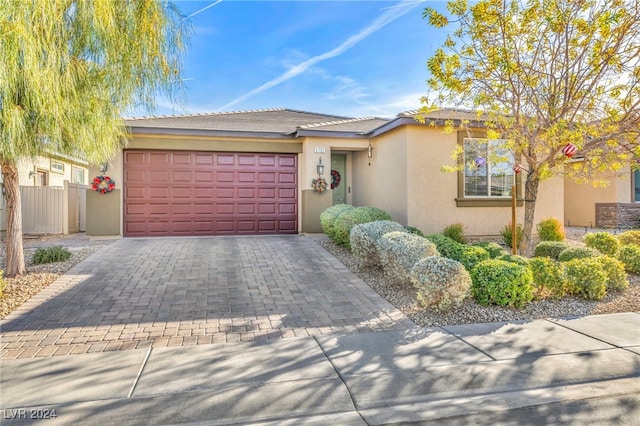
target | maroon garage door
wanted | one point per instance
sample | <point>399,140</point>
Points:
<point>209,193</point>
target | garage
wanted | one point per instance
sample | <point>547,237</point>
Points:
<point>183,193</point>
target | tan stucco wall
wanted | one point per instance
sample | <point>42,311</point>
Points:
<point>580,199</point>
<point>432,192</point>
<point>104,213</point>
<point>383,184</point>
<point>313,204</point>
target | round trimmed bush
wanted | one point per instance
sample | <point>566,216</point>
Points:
<point>399,251</point>
<point>446,246</point>
<point>586,278</point>
<point>455,232</point>
<point>617,278</point>
<point>441,283</point>
<point>630,238</point>
<point>364,240</point>
<point>501,283</point>
<point>514,258</point>
<point>494,249</point>
<point>550,230</point>
<point>550,249</point>
<point>630,257</point>
<point>577,253</point>
<point>604,242</point>
<point>548,275</point>
<point>347,220</point>
<point>469,256</point>
<point>329,216</point>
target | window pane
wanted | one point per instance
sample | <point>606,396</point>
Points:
<point>502,174</point>
<point>637,186</point>
<point>475,168</point>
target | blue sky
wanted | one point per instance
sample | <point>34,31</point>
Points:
<point>352,58</point>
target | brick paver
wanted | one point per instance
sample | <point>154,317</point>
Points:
<point>136,293</point>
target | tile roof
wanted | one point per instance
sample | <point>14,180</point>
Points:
<point>276,120</point>
<point>360,125</point>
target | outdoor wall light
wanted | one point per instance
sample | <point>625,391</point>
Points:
<point>103,167</point>
<point>369,152</point>
<point>320,167</point>
<point>32,173</point>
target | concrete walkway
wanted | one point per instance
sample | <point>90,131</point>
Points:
<point>572,371</point>
<point>166,319</point>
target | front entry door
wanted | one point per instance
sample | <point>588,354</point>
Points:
<point>339,178</point>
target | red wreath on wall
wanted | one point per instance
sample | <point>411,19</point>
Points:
<point>335,178</point>
<point>103,184</point>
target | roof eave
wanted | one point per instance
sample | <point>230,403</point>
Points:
<point>209,133</point>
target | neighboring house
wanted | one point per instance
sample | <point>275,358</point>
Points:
<point>614,206</point>
<point>43,209</point>
<point>250,172</point>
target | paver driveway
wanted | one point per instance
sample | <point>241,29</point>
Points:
<point>137,293</point>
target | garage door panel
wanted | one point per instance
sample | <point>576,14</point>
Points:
<point>208,193</point>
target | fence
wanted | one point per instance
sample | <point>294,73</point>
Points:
<point>51,210</point>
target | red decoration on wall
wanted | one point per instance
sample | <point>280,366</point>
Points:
<point>569,150</point>
<point>103,184</point>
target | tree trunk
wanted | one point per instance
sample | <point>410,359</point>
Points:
<point>530,194</point>
<point>14,252</point>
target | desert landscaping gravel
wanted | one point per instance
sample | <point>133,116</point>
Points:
<point>19,290</point>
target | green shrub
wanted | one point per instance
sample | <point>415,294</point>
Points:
<point>604,242</point>
<point>494,249</point>
<point>2,282</point>
<point>617,278</point>
<point>399,251</point>
<point>50,255</point>
<point>441,283</point>
<point>550,230</point>
<point>630,257</point>
<point>586,278</point>
<point>469,256</point>
<point>455,232</point>
<point>514,258</point>
<point>550,249</point>
<point>507,233</point>
<point>577,253</point>
<point>501,283</point>
<point>548,276</point>
<point>414,230</point>
<point>364,240</point>
<point>630,238</point>
<point>446,246</point>
<point>329,216</point>
<point>347,220</point>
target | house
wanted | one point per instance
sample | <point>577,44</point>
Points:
<point>44,186</point>
<point>251,172</point>
<point>614,206</point>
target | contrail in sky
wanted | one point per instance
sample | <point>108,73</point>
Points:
<point>203,9</point>
<point>387,17</point>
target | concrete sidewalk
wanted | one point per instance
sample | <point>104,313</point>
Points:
<point>568,371</point>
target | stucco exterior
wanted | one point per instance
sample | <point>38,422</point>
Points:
<point>403,175</point>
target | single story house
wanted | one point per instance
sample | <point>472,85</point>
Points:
<point>251,172</point>
<point>614,206</point>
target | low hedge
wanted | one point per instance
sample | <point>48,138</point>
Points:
<point>630,238</point>
<point>364,240</point>
<point>548,277</point>
<point>501,283</point>
<point>604,242</point>
<point>350,218</point>
<point>495,250</point>
<point>550,249</point>
<point>586,278</point>
<point>399,251</point>
<point>329,216</point>
<point>577,253</point>
<point>440,283</point>
<point>630,257</point>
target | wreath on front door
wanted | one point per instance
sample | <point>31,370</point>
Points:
<point>103,184</point>
<point>335,179</point>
